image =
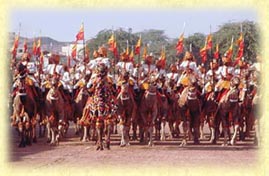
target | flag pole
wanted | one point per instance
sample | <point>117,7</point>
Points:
<point>139,59</point>
<point>184,25</point>
<point>114,57</point>
<point>84,50</point>
<point>211,52</point>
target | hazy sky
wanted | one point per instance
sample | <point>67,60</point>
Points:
<point>63,25</point>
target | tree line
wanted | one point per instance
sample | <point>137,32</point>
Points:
<point>156,39</point>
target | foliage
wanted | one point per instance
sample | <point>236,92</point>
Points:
<point>156,39</point>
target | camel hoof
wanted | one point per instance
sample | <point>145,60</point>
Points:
<point>232,142</point>
<point>53,144</point>
<point>84,140</point>
<point>224,145</point>
<point>22,145</point>
<point>150,144</point>
<point>123,145</point>
<point>183,143</point>
<point>34,140</point>
<point>107,146</point>
<point>202,137</point>
<point>134,138</point>
<point>196,142</point>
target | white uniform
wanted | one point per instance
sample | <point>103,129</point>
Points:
<point>92,64</point>
<point>161,72</point>
<point>135,72</point>
<point>186,79</point>
<point>147,68</point>
<point>31,67</point>
<point>103,60</point>
<point>189,64</point>
<point>173,76</point>
<point>126,66</point>
<point>241,72</point>
<point>66,81</point>
<point>53,67</point>
<point>224,71</point>
<point>256,66</point>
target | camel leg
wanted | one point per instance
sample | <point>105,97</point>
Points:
<point>22,135</point>
<point>52,136</point>
<point>141,133</point>
<point>150,131</point>
<point>201,128</point>
<point>185,131</point>
<point>99,131</point>
<point>146,134</point>
<point>257,133</point>
<point>77,127</point>
<point>34,133</point>
<point>93,132</point>
<point>122,142</point>
<point>177,130</point>
<point>163,130</point>
<point>212,136</point>
<point>127,131</point>
<point>85,130</point>
<point>225,132</point>
<point>134,127</point>
<point>233,140</point>
<point>171,129</point>
<point>48,132</point>
<point>157,129</point>
<point>189,131</point>
<point>108,131</point>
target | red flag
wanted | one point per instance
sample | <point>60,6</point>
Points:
<point>131,56</point>
<point>68,61</point>
<point>74,51</point>
<point>16,41</point>
<point>209,41</point>
<point>25,46</point>
<point>145,52</point>
<point>41,62</point>
<point>203,54</point>
<point>38,47</point>
<point>80,34</point>
<point>137,46</point>
<point>111,43</point>
<point>229,52</point>
<point>162,60</point>
<point>113,46</point>
<point>240,52</point>
<point>179,46</point>
<point>34,48</point>
<point>15,46</point>
<point>115,50</point>
<point>240,43</point>
<point>216,53</point>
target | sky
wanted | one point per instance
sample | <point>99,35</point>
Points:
<point>63,25</point>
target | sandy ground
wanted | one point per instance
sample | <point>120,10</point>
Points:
<point>71,152</point>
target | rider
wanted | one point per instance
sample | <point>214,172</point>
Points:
<point>125,64</point>
<point>188,68</point>
<point>225,72</point>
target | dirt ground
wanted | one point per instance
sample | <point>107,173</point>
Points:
<point>72,152</point>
